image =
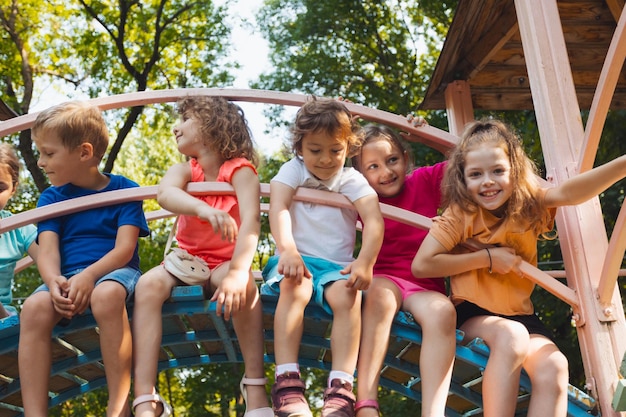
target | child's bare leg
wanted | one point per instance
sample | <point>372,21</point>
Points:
<point>382,302</point>
<point>437,317</point>
<point>108,305</point>
<point>288,319</point>
<point>508,344</point>
<point>548,370</point>
<point>37,320</point>
<point>346,331</point>
<point>248,324</point>
<point>151,291</point>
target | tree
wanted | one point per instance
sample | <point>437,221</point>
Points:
<point>370,52</point>
<point>377,53</point>
<point>110,48</point>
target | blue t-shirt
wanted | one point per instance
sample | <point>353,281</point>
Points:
<point>86,236</point>
<point>14,245</point>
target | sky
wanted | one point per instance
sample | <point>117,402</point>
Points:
<point>249,49</point>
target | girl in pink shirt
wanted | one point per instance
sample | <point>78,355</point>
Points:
<point>384,162</point>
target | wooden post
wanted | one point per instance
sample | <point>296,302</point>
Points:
<point>458,106</point>
<point>581,229</point>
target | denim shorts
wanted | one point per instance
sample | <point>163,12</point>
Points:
<point>324,273</point>
<point>127,277</point>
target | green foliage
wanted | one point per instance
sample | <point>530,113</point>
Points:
<point>106,48</point>
<point>370,52</point>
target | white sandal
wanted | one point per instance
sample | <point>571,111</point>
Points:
<point>155,398</point>
<point>259,412</point>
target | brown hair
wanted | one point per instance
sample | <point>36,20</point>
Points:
<point>374,132</point>
<point>223,126</point>
<point>75,122</point>
<point>523,204</point>
<point>9,158</point>
<point>327,115</point>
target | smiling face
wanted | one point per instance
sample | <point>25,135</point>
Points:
<point>487,176</point>
<point>384,166</point>
<point>323,154</point>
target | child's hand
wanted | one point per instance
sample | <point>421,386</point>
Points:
<point>221,221</point>
<point>230,295</point>
<point>80,288</point>
<point>291,266</point>
<point>504,260</point>
<point>59,289</point>
<point>416,121</point>
<point>360,275</point>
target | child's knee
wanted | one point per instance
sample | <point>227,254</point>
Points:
<point>341,298</point>
<point>37,311</point>
<point>512,340</point>
<point>108,297</point>
<point>153,286</point>
<point>443,313</point>
<point>380,303</point>
<point>38,303</point>
<point>552,372</point>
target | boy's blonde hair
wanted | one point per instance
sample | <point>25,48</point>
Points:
<point>523,204</point>
<point>9,158</point>
<point>224,127</point>
<point>75,122</point>
<point>329,116</point>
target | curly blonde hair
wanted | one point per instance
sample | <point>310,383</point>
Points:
<point>523,204</point>
<point>224,127</point>
<point>327,115</point>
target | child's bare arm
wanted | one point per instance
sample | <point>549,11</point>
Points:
<point>82,284</point>
<point>49,266</point>
<point>361,270</point>
<point>172,195</point>
<point>589,184</point>
<point>290,263</point>
<point>33,250</point>
<point>433,260</point>
<point>231,292</point>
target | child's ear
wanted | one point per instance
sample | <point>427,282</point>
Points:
<point>86,150</point>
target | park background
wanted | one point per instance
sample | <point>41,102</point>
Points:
<point>376,53</point>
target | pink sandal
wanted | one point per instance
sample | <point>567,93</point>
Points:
<point>259,412</point>
<point>154,398</point>
<point>366,404</point>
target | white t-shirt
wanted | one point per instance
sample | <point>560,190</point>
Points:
<point>323,231</point>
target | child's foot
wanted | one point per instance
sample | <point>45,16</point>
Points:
<point>338,400</point>
<point>288,396</point>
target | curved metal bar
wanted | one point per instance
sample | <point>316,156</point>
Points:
<point>431,136</point>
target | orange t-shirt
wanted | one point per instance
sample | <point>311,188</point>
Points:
<point>506,294</point>
<point>195,235</point>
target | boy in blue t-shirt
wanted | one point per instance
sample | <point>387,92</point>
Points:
<point>86,259</point>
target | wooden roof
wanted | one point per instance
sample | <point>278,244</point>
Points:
<point>483,47</point>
